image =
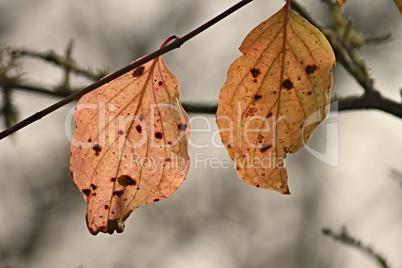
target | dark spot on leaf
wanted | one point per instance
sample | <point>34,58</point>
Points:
<point>299,78</point>
<point>97,149</point>
<point>138,71</point>
<point>182,126</point>
<point>287,84</point>
<point>118,193</point>
<point>257,96</point>
<point>93,186</point>
<point>269,114</point>
<point>106,207</point>
<point>257,185</point>
<point>138,128</point>
<point>89,140</point>
<point>309,93</point>
<point>168,159</point>
<point>126,180</point>
<point>86,192</point>
<point>156,199</point>
<point>170,143</point>
<point>160,83</point>
<point>121,132</point>
<point>265,147</point>
<point>93,194</point>
<point>113,179</point>
<point>310,69</point>
<point>255,80</point>
<point>140,118</point>
<point>158,135</point>
<point>254,72</point>
<point>274,92</point>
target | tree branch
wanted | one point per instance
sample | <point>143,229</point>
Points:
<point>66,62</point>
<point>344,237</point>
<point>372,100</point>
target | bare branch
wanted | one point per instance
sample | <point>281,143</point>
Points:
<point>65,62</point>
<point>371,101</point>
<point>344,237</point>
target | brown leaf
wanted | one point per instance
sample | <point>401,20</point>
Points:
<point>130,145</point>
<point>275,96</point>
<point>341,2</point>
<point>398,4</point>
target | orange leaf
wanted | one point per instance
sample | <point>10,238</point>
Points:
<point>341,2</point>
<point>275,96</point>
<point>130,145</point>
<point>398,4</point>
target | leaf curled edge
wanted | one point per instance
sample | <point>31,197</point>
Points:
<point>128,149</point>
<point>275,96</point>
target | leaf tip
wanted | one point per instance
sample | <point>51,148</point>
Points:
<point>285,190</point>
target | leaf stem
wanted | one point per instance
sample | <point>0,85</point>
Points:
<point>175,44</point>
<point>168,40</point>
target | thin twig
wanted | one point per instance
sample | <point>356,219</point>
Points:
<point>67,63</point>
<point>175,44</point>
<point>346,238</point>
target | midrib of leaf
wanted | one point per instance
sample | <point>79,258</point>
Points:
<point>150,74</point>
<point>162,128</point>
<point>286,10</point>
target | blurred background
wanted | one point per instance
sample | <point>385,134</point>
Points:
<point>214,219</point>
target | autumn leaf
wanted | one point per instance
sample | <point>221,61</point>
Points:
<point>398,4</point>
<point>341,2</point>
<point>275,96</point>
<point>130,145</point>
